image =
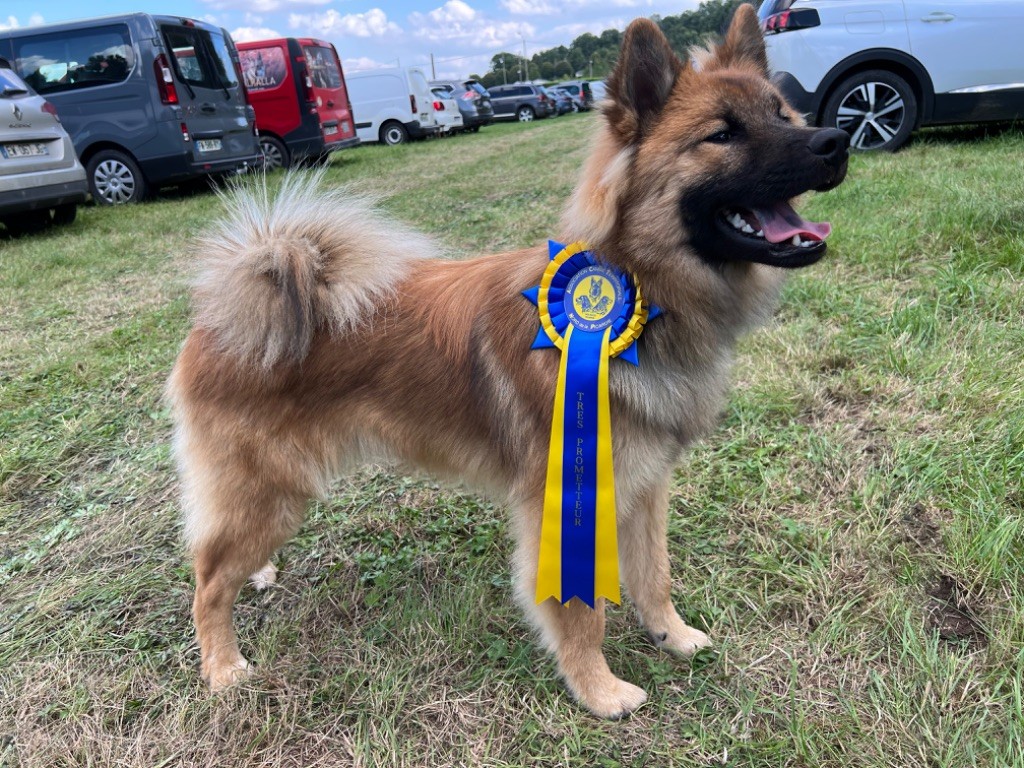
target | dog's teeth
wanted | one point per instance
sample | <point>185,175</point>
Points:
<point>737,221</point>
<point>747,228</point>
<point>760,233</point>
<point>796,240</point>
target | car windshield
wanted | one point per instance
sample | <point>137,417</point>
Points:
<point>323,67</point>
<point>478,88</point>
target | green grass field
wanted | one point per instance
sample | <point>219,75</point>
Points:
<point>852,535</point>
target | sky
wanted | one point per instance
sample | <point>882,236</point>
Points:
<point>462,35</point>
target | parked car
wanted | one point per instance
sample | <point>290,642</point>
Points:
<point>392,105</point>
<point>598,88</point>
<point>297,87</point>
<point>473,100</point>
<point>446,111</point>
<point>571,103</point>
<point>41,180</point>
<point>580,89</point>
<point>147,100</point>
<point>522,101</point>
<point>879,69</point>
<point>561,100</point>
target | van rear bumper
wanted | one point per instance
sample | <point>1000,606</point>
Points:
<point>331,146</point>
<point>418,131</point>
<point>181,167</point>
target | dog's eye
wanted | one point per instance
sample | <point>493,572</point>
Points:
<point>720,137</point>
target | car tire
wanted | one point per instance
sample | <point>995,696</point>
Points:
<point>474,128</point>
<point>525,114</point>
<point>877,108</point>
<point>275,154</point>
<point>115,179</point>
<point>65,214</point>
<point>393,133</point>
<point>575,107</point>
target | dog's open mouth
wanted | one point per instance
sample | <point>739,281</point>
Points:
<point>774,234</point>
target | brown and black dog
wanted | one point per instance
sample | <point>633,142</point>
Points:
<point>319,344</point>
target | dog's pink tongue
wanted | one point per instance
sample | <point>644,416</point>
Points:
<point>781,222</point>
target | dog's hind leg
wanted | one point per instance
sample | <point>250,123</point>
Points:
<point>574,633</point>
<point>643,555</point>
<point>235,522</point>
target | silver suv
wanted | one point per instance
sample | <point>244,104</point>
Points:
<point>41,180</point>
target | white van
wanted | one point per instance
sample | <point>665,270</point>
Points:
<point>392,104</point>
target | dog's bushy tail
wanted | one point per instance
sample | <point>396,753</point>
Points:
<point>276,268</point>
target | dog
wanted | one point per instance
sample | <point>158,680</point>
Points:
<point>325,335</point>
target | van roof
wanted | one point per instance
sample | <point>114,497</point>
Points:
<point>248,44</point>
<point>60,26</point>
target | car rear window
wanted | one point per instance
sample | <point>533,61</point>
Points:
<point>83,58</point>
<point>201,57</point>
<point>263,68</point>
<point>323,66</point>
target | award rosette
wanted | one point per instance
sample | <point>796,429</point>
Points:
<point>592,313</point>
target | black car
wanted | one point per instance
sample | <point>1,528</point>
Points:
<point>473,99</point>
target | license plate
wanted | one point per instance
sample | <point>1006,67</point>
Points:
<point>330,130</point>
<point>24,150</point>
<point>208,145</point>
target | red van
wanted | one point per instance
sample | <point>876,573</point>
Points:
<point>298,91</point>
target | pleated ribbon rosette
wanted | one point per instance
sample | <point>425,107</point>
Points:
<point>592,313</point>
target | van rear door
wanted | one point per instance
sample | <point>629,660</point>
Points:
<point>211,97</point>
<point>328,90</point>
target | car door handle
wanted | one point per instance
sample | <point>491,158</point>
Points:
<point>208,108</point>
<point>937,16</point>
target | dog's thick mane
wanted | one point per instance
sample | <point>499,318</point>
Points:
<point>275,268</point>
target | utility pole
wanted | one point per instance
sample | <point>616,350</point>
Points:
<point>591,67</point>
<point>433,72</point>
<point>504,75</point>
<point>525,62</point>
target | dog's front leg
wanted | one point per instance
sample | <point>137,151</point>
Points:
<point>574,633</point>
<point>643,555</point>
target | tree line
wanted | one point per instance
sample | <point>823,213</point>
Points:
<point>593,56</point>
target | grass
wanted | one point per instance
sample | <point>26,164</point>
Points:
<point>853,533</point>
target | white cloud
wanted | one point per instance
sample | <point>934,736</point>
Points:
<point>458,24</point>
<point>361,63</point>
<point>373,23</point>
<point>264,6</point>
<point>530,7</point>
<point>12,21</point>
<point>248,34</point>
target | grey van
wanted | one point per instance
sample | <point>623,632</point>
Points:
<point>147,100</point>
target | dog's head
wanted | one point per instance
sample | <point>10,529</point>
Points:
<point>704,156</point>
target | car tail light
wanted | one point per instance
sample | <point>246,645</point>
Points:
<point>438,106</point>
<point>184,133</point>
<point>49,109</point>
<point>412,102</point>
<point>787,21</point>
<point>165,80</point>
<point>543,97</point>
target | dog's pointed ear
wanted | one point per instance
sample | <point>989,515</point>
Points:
<point>744,43</point>
<point>643,78</point>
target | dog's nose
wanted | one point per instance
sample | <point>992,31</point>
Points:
<point>830,144</point>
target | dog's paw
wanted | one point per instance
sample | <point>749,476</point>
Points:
<point>264,577</point>
<point>224,675</point>
<point>680,638</point>
<point>612,699</point>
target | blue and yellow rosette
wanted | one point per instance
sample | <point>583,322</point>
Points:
<point>592,313</point>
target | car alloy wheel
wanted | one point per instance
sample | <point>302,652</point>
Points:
<point>394,133</point>
<point>525,114</point>
<point>877,108</point>
<point>872,114</point>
